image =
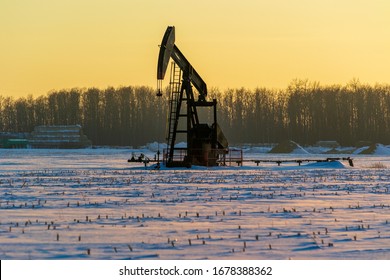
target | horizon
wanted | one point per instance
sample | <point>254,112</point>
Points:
<point>58,45</point>
<point>314,85</point>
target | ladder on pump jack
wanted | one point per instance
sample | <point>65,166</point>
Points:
<point>174,110</point>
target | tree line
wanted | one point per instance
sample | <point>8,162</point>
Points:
<point>305,112</point>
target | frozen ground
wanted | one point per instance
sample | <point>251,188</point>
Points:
<point>92,204</point>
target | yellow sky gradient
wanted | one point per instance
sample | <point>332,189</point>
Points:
<point>55,44</point>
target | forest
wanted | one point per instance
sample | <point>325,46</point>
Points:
<point>305,112</point>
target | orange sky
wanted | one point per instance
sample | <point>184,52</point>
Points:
<point>56,44</point>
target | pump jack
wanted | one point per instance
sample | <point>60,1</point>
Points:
<point>206,144</point>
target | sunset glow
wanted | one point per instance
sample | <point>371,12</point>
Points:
<point>52,44</point>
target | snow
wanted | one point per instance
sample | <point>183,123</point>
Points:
<point>382,150</point>
<point>360,150</point>
<point>93,204</point>
<point>379,150</point>
<point>155,146</point>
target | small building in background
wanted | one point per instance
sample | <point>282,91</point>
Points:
<point>14,140</point>
<point>59,136</point>
<point>14,143</point>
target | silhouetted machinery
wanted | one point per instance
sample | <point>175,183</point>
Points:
<point>206,143</point>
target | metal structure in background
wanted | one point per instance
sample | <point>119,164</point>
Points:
<point>206,143</point>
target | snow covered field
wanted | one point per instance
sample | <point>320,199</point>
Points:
<point>93,204</point>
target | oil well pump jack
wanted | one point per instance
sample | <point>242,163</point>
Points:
<point>206,143</point>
